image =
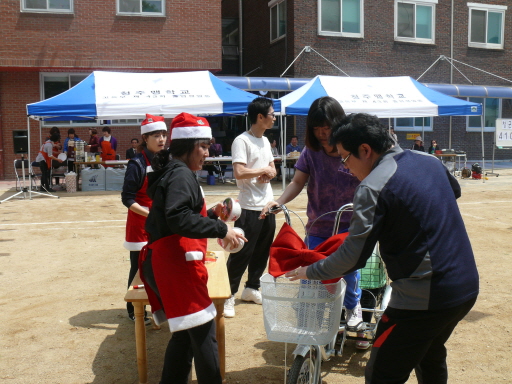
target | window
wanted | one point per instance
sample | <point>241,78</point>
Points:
<point>56,6</point>
<point>415,21</point>
<point>416,124</point>
<point>340,18</point>
<point>53,84</point>
<point>486,25</point>
<point>491,109</point>
<point>277,19</point>
<point>141,7</point>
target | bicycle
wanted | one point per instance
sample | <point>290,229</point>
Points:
<point>292,309</point>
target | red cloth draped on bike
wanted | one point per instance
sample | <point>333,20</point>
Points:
<point>288,252</point>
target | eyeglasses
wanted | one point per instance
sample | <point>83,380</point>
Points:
<point>273,114</point>
<point>343,161</point>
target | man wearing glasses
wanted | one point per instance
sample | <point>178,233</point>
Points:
<point>253,168</point>
<point>428,257</point>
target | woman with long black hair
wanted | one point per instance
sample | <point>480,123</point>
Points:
<point>173,263</point>
<point>134,196</point>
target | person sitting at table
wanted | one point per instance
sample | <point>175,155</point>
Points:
<point>44,158</point>
<point>69,148</point>
<point>275,153</point>
<point>273,147</point>
<point>134,196</point>
<point>108,144</point>
<point>215,151</point>
<point>131,152</point>
<point>57,147</point>
<point>173,269</point>
<point>294,145</point>
<point>56,150</point>
<point>433,147</point>
<point>418,144</point>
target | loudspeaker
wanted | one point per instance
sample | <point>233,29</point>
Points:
<point>20,141</point>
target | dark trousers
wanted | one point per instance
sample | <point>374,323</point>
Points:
<point>45,174</point>
<point>198,343</point>
<point>408,340</point>
<point>134,266</point>
<point>255,253</point>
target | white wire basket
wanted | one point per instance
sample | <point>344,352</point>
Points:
<point>301,311</point>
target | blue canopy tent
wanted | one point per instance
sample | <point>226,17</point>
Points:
<point>385,97</point>
<point>381,96</point>
<point>115,95</point>
<point>121,95</point>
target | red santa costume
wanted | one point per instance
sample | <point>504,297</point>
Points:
<point>173,263</point>
<point>134,192</point>
<point>136,181</point>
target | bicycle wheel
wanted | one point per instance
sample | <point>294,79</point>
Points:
<point>302,367</point>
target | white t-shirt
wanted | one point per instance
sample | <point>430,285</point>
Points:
<point>254,152</point>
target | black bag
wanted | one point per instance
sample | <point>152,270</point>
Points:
<point>476,168</point>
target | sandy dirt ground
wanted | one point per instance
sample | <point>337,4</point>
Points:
<point>63,275</point>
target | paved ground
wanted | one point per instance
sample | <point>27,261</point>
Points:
<point>63,274</point>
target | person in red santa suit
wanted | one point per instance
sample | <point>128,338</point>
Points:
<point>173,262</point>
<point>134,197</point>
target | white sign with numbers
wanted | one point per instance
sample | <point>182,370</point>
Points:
<point>503,133</point>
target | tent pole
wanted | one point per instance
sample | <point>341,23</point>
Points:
<point>450,134</point>
<point>283,158</point>
<point>482,133</point>
<point>29,161</point>
<point>423,131</point>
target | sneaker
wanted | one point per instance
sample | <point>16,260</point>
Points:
<point>253,295</point>
<point>229,307</point>
<point>147,320</point>
<point>354,316</point>
<point>362,344</point>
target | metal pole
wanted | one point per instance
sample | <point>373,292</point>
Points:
<point>482,133</point>
<point>29,159</point>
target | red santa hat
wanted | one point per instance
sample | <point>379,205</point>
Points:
<point>152,123</point>
<point>187,126</point>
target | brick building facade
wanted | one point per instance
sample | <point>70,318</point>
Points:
<point>380,50</point>
<point>41,48</point>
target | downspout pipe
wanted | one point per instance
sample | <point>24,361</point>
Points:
<point>451,71</point>
<point>240,38</point>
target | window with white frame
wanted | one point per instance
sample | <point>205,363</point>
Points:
<point>491,111</point>
<point>52,6</point>
<point>141,7</point>
<point>277,19</point>
<point>415,124</point>
<point>415,21</point>
<point>486,25</point>
<point>53,84</point>
<point>340,18</point>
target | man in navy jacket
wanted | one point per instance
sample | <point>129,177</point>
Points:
<point>428,256</point>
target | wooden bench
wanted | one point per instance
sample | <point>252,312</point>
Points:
<point>218,289</point>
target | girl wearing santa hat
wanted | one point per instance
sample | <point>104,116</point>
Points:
<point>172,263</point>
<point>134,197</point>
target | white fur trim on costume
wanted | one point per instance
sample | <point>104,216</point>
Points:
<point>155,126</point>
<point>159,317</point>
<point>193,320</point>
<point>134,246</point>
<point>194,255</point>
<point>191,133</point>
